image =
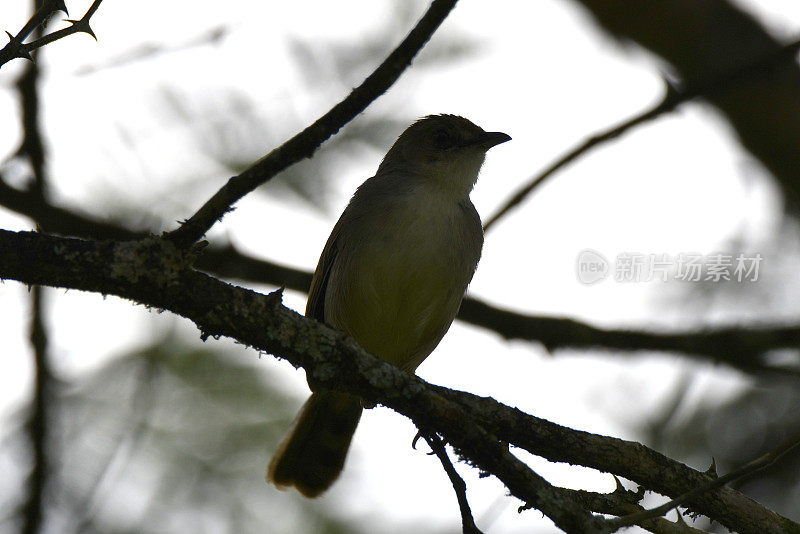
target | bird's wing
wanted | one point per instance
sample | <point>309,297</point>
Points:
<point>315,307</point>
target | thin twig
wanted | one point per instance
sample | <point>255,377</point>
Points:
<point>16,48</point>
<point>622,501</point>
<point>673,98</point>
<point>437,446</point>
<point>148,51</point>
<point>304,144</point>
<point>746,470</point>
<point>39,17</point>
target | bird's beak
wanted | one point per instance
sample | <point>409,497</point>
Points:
<point>490,139</point>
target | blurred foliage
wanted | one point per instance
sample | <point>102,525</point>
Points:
<point>171,438</point>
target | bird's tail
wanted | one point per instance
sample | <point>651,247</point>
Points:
<point>312,455</point>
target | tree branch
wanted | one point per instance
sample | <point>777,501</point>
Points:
<point>39,423</point>
<point>622,502</point>
<point>746,470</point>
<point>468,525</point>
<point>741,347</point>
<point>627,459</point>
<point>702,39</point>
<point>304,144</point>
<point>154,273</point>
<point>16,48</point>
<point>673,98</point>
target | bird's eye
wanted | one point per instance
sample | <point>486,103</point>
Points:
<point>443,140</point>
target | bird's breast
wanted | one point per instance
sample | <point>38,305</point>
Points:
<point>399,285</point>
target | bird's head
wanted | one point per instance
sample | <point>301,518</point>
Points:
<point>446,148</point>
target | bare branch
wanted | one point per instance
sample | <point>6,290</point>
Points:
<point>746,470</point>
<point>468,525</point>
<point>16,48</point>
<point>39,423</point>
<point>621,502</point>
<point>743,347</point>
<point>154,273</point>
<point>627,459</point>
<point>702,39</point>
<point>304,144</point>
<point>673,98</point>
<point>739,346</point>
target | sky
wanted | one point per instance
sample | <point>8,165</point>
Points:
<point>541,73</point>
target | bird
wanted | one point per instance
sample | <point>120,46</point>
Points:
<point>392,275</point>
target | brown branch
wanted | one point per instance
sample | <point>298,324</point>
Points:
<point>673,98</point>
<point>746,470</point>
<point>622,502</point>
<point>304,144</point>
<point>627,459</point>
<point>154,273</point>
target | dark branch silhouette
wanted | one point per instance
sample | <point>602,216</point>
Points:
<point>304,144</point>
<point>741,346</point>
<point>673,98</point>
<point>746,470</point>
<point>154,273</point>
<point>16,48</point>
<point>701,40</point>
<point>41,405</point>
<point>438,448</point>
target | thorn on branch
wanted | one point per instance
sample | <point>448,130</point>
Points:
<point>712,469</point>
<point>680,521</point>
<point>17,48</point>
<point>82,26</point>
<point>60,5</point>
<point>275,298</point>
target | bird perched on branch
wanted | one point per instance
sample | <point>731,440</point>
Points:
<point>392,275</point>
